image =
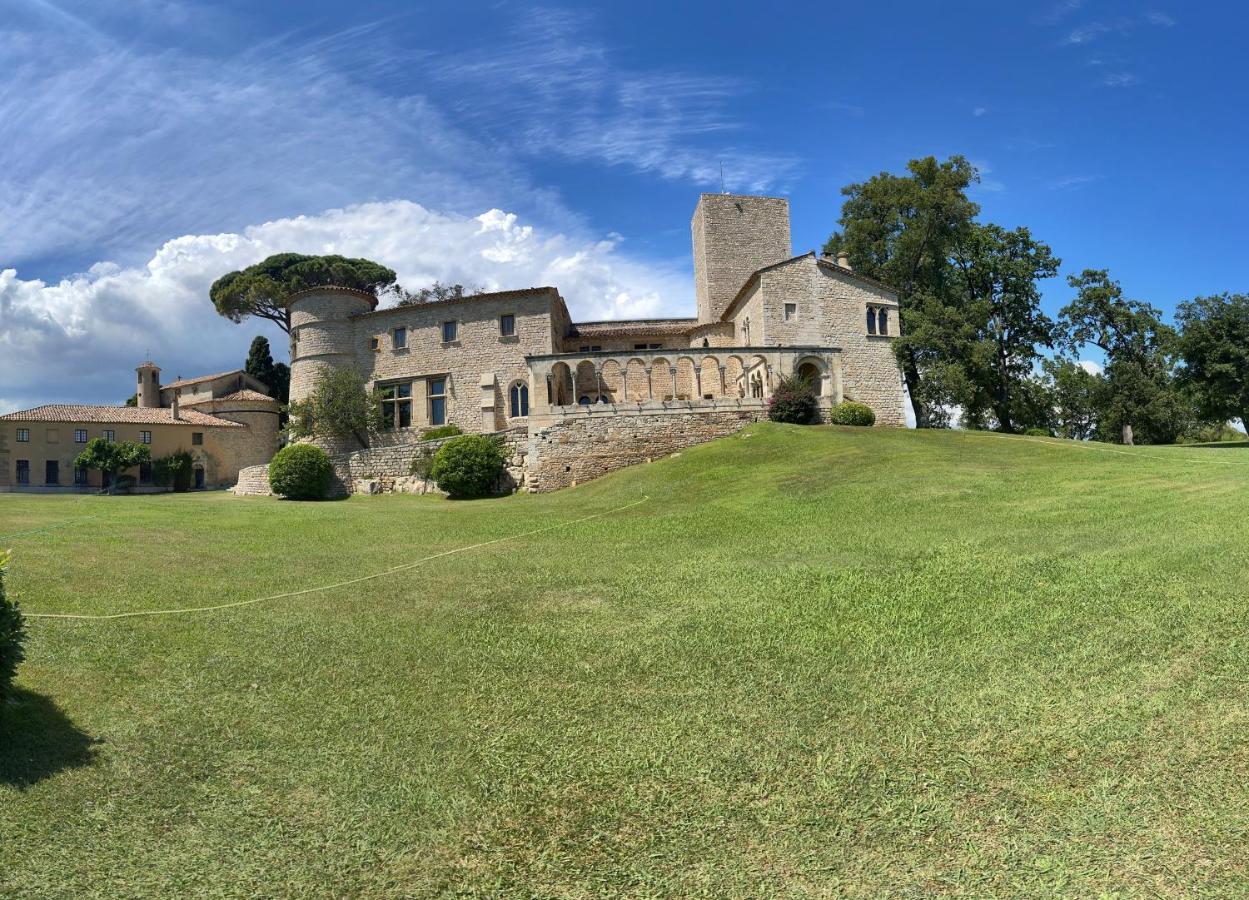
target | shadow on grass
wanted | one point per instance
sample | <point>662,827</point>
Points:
<point>37,740</point>
<point>1220,445</point>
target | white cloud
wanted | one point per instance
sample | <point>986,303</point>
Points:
<point>1157,17</point>
<point>1120,79</point>
<point>980,111</point>
<point>1072,182</point>
<point>1091,367</point>
<point>79,339</point>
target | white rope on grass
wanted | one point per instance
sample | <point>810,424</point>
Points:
<point>52,527</point>
<point>337,584</point>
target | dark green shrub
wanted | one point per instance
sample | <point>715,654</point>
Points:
<point>441,431</point>
<point>468,466</point>
<point>300,472</point>
<point>793,401</point>
<point>1037,432</point>
<point>12,634</point>
<point>422,463</point>
<point>848,412</point>
<point>173,471</point>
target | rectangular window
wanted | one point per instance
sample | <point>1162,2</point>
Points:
<point>145,437</point>
<point>397,405</point>
<point>375,344</point>
<point>647,346</point>
<point>593,348</point>
<point>52,472</point>
<point>437,393</point>
<point>400,338</point>
<point>197,438</point>
<point>110,435</point>
<point>450,330</point>
<point>507,325</point>
<point>23,435</point>
<point>80,435</point>
<point>23,471</point>
<point>791,311</point>
<point>80,476</point>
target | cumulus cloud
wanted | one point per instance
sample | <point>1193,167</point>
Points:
<point>1093,368</point>
<point>79,339</point>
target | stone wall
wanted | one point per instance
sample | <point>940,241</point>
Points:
<point>253,482</point>
<point>582,448</point>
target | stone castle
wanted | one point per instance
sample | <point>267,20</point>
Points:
<point>577,399</point>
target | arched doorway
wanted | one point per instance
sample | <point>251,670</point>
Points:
<point>811,374</point>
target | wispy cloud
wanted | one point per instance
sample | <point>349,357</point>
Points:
<point>1120,80</point>
<point>1159,18</point>
<point>1059,11</point>
<point>1072,182</point>
<point>980,111</point>
<point>1123,25</point>
<point>842,106</point>
<point>568,96</point>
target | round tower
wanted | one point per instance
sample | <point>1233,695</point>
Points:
<point>323,333</point>
<point>148,393</point>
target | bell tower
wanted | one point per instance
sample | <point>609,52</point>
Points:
<point>149,385</point>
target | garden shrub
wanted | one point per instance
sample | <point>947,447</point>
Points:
<point>422,462</point>
<point>441,431</point>
<point>12,634</point>
<point>849,412</point>
<point>300,472</point>
<point>1037,432</point>
<point>468,466</point>
<point>173,471</point>
<point>793,401</point>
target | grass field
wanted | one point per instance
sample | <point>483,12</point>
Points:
<point>814,662</point>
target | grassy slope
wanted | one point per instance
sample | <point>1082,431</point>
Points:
<point>816,661</point>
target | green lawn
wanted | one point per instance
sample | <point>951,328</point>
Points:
<point>815,662</point>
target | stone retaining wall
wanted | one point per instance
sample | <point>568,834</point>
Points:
<point>582,448</point>
<point>253,482</point>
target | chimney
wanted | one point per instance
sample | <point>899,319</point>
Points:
<point>177,412</point>
<point>843,259</point>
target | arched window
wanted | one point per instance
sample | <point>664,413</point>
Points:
<point>518,400</point>
<point>705,343</point>
<point>584,401</point>
<point>882,320</point>
<point>871,320</point>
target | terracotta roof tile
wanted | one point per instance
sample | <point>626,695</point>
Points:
<point>117,415</point>
<point>245,394</point>
<point>183,382</point>
<point>625,327</point>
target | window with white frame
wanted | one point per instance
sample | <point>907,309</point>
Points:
<point>436,397</point>
<point>110,435</point>
<point>23,435</point>
<point>399,338</point>
<point>397,404</point>
<point>518,400</point>
<point>80,435</point>
<point>145,437</point>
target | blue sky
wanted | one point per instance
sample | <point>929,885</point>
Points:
<point>152,145</point>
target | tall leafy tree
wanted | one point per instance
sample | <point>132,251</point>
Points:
<point>999,305</point>
<point>1142,399</point>
<point>260,365</point>
<point>339,407</point>
<point>1214,343</point>
<point>901,229</point>
<point>110,458</point>
<point>1077,395</point>
<point>261,290</point>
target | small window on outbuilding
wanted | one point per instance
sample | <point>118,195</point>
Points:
<point>400,338</point>
<point>197,438</point>
<point>109,435</point>
<point>791,311</point>
<point>23,435</point>
<point>450,331</point>
<point>145,437</point>
<point>871,320</point>
<point>80,435</point>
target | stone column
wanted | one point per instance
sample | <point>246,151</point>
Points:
<point>672,370</point>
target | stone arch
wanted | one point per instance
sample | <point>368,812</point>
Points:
<point>734,377</point>
<point>709,378</point>
<point>758,385</point>
<point>661,379</point>
<point>687,381</point>
<point>613,381</point>
<point>560,385</point>
<point>588,386</point>
<point>637,387</point>
<point>812,369</point>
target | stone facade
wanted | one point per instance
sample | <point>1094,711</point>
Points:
<point>733,236</point>
<point>580,449</point>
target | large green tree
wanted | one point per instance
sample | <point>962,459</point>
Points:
<point>1142,401</point>
<point>1214,344</point>
<point>339,407</point>
<point>110,458</point>
<point>262,290</point>
<point>260,365</point>
<point>997,305</point>
<point>901,229</point>
<point>1077,396</point>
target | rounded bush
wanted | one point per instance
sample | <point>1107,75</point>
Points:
<point>12,634</point>
<point>848,412</point>
<point>468,466</point>
<point>300,472</point>
<point>1037,432</point>
<point>793,402</point>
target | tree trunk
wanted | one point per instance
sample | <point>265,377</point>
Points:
<point>1127,435</point>
<point>910,374</point>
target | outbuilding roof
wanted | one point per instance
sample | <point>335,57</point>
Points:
<point>245,394</point>
<point>822,261</point>
<point>117,415</point>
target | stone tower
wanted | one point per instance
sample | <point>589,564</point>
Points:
<point>322,332</point>
<point>148,393</point>
<point>734,235</point>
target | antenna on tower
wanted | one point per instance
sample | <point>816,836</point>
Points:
<point>723,190</point>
